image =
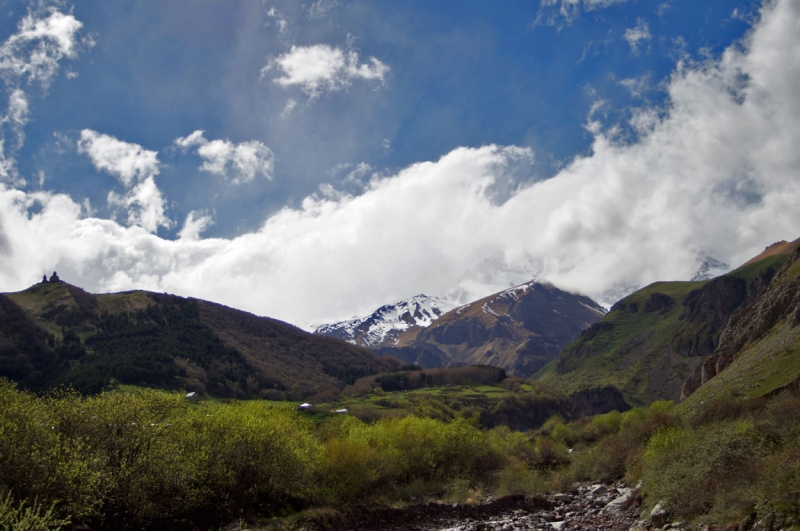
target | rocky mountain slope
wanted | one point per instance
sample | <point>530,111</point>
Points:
<point>55,333</point>
<point>519,329</point>
<point>382,327</point>
<point>652,341</point>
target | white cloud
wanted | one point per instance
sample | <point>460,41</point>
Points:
<point>31,56</point>
<point>550,11</point>
<point>636,35</point>
<point>281,22</point>
<point>40,43</point>
<point>239,163</point>
<point>717,170</point>
<point>290,105</point>
<point>320,68</point>
<point>320,8</point>
<point>638,86</point>
<point>130,163</point>
<point>144,205</point>
<point>136,168</point>
<point>192,140</point>
<point>196,222</point>
<point>18,112</point>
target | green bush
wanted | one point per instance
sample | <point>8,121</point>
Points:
<point>18,517</point>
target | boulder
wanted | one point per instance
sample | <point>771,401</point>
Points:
<point>620,504</point>
<point>659,514</point>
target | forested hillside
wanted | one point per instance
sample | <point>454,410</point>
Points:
<point>57,334</point>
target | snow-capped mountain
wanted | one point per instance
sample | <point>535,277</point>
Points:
<point>490,276</point>
<point>709,267</point>
<point>520,329</point>
<point>384,325</point>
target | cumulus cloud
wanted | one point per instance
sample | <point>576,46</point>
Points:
<point>127,162</point>
<point>636,35</point>
<point>715,171</point>
<point>144,205</point>
<point>320,68</point>
<point>34,52</point>
<point>136,168</point>
<point>238,163</point>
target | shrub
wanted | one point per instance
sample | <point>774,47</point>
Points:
<point>18,517</point>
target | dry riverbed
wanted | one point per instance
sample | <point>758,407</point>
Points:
<point>587,507</point>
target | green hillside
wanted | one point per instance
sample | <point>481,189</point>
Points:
<point>653,340</point>
<point>759,353</point>
<point>57,334</point>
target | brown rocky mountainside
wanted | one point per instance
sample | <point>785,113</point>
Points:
<point>520,329</point>
<point>54,333</point>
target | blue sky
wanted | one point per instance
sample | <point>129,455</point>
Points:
<point>284,145</point>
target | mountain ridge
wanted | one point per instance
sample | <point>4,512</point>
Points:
<point>517,329</point>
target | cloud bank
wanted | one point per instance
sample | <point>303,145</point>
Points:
<point>716,170</point>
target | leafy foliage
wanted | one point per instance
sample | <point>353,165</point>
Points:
<point>146,458</point>
<point>18,517</point>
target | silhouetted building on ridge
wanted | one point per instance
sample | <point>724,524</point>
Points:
<point>53,278</point>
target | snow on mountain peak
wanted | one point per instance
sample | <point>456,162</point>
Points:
<point>385,323</point>
<point>709,267</point>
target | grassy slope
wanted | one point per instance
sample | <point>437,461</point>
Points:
<point>520,405</point>
<point>636,352</point>
<point>769,363</point>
